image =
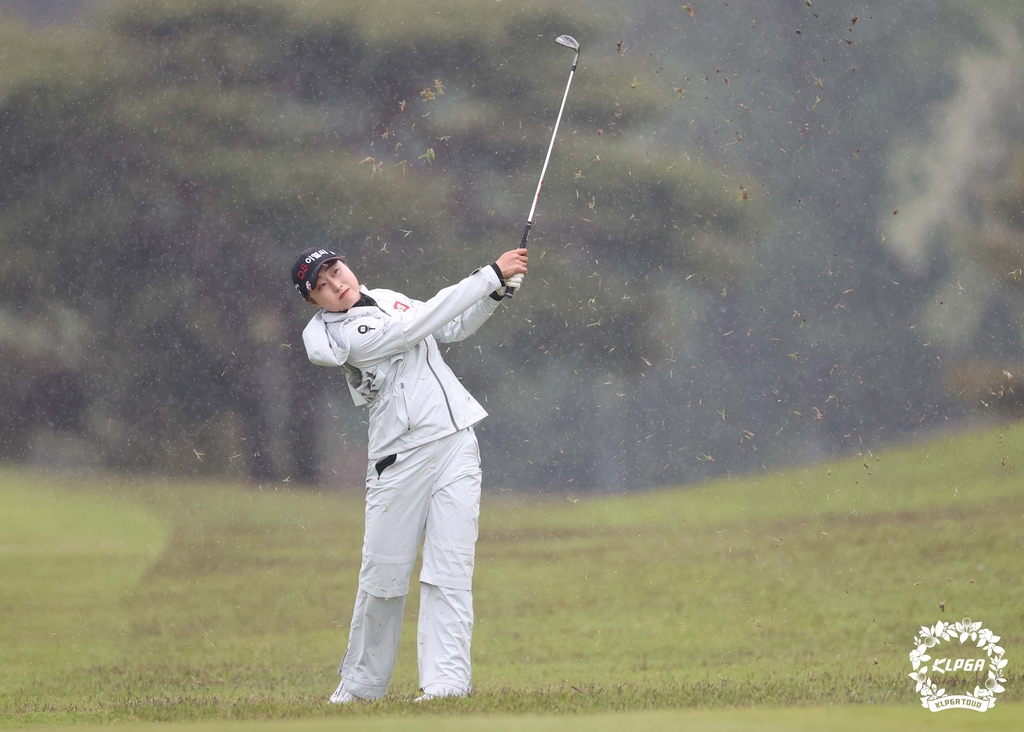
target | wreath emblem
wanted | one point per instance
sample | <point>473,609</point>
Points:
<point>932,697</point>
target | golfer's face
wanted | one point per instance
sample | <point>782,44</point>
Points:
<point>336,288</point>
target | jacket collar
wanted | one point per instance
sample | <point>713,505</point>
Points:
<point>354,312</point>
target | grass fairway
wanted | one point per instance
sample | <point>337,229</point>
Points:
<point>1005,718</point>
<point>64,555</point>
<point>162,601</point>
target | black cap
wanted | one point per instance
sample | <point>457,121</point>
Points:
<point>306,267</point>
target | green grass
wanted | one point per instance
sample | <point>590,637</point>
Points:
<point>65,555</point>
<point>165,601</point>
<point>1004,718</point>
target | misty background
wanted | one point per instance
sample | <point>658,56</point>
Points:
<point>770,232</point>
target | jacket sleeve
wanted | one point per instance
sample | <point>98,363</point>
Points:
<point>464,325</point>
<point>371,340</point>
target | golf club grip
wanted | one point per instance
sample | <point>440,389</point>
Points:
<point>522,245</point>
<point>526,234</point>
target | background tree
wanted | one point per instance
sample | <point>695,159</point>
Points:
<point>963,181</point>
<point>815,100</point>
<point>163,167</point>
<point>740,257</point>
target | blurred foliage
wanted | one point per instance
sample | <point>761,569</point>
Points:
<point>963,184</point>
<point>163,162</point>
<point>766,229</point>
<point>1001,200</point>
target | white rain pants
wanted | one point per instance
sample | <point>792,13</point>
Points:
<point>430,494</point>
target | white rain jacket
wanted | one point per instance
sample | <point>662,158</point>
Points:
<point>392,361</point>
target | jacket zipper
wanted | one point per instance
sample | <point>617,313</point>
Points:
<point>451,415</point>
<point>408,417</point>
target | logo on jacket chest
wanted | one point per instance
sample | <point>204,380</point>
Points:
<point>401,306</point>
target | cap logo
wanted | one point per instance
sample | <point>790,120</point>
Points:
<point>305,267</point>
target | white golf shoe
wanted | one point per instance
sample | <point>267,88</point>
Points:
<point>342,695</point>
<point>440,692</point>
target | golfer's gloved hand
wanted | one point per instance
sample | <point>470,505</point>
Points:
<point>513,283</point>
<point>510,268</point>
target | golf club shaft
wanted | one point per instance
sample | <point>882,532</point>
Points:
<point>543,171</point>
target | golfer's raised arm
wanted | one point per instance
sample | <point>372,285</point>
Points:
<point>466,323</point>
<point>374,340</point>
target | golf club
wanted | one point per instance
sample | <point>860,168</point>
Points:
<point>568,42</point>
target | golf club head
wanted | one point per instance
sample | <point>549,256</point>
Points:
<point>569,42</point>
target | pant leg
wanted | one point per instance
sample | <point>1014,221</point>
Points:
<point>446,606</point>
<point>373,645</point>
<point>397,500</point>
<point>444,639</point>
<point>397,503</point>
